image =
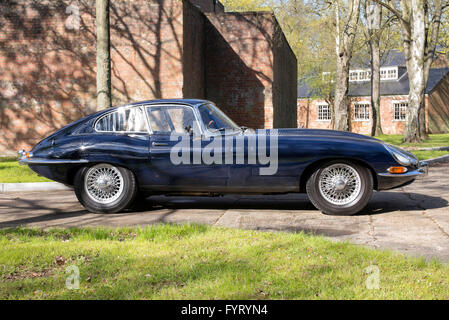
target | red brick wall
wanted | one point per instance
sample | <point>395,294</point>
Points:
<point>160,49</point>
<point>147,49</point>
<point>193,53</point>
<point>308,115</point>
<point>47,67</point>
<point>46,70</point>
<point>251,71</point>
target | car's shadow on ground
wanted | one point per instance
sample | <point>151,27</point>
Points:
<point>381,202</point>
<point>160,208</point>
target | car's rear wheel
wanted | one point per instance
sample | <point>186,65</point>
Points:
<point>340,187</point>
<point>105,188</point>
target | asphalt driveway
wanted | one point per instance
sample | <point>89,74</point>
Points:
<point>413,220</point>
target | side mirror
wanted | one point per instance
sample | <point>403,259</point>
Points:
<point>189,129</point>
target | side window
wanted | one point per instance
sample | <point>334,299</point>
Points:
<point>179,119</point>
<point>123,120</point>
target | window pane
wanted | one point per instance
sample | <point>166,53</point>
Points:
<point>171,119</point>
<point>361,111</point>
<point>324,112</point>
<point>123,120</point>
<point>400,111</point>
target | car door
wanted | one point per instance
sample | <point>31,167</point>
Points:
<point>175,150</point>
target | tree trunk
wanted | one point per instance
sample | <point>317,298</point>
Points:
<point>374,43</point>
<point>103,55</point>
<point>422,116</point>
<point>416,96</point>
<point>419,47</point>
<point>341,101</point>
<point>415,40</point>
<point>344,41</point>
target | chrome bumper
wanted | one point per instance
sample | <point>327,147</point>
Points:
<point>50,161</point>
<point>421,172</point>
<point>31,160</point>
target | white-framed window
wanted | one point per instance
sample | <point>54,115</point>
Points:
<point>361,111</point>
<point>400,110</point>
<point>353,76</point>
<point>324,112</point>
<point>123,120</point>
<point>390,73</point>
<point>359,75</point>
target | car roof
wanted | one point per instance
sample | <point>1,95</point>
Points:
<point>191,102</point>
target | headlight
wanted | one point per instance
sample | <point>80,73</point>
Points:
<point>400,156</point>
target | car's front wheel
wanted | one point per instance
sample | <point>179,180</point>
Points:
<point>105,188</point>
<point>340,187</point>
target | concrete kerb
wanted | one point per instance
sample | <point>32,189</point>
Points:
<point>32,186</point>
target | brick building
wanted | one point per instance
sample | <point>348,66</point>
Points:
<point>159,49</point>
<point>394,90</point>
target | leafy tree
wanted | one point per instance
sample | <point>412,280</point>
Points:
<point>420,24</point>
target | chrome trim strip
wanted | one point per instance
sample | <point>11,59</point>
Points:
<point>401,175</point>
<point>51,161</point>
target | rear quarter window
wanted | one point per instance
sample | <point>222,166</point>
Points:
<point>123,120</point>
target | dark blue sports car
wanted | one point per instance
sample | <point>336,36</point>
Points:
<point>190,147</point>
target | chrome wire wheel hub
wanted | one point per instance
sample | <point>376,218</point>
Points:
<point>103,183</point>
<point>340,184</point>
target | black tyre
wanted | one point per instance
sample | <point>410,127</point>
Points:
<point>340,188</point>
<point>104,188</point>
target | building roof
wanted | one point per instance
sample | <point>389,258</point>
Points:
<point>391,58</point>
<point>387,87</point>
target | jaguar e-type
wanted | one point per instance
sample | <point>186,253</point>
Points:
<point>190,147</point>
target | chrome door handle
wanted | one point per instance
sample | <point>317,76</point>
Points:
<point>159,144</point>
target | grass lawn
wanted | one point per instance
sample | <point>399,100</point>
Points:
<point>200,262</point>
<point>11,171</point>
<point>436,140</point>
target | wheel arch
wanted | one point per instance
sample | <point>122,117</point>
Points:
<point>310,169</point>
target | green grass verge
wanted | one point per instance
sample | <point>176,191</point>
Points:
<point>435,140</point>
<point>11,171</point>
<point>423,155</point>
<point>200,262</point>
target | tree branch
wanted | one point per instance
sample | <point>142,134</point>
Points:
<point>391,9</point>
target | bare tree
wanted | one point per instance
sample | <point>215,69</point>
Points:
<point>420,23</point>
<point>346,18</point>
<point>374,35</point>
<point>379,36</point>
<point>103,55</point>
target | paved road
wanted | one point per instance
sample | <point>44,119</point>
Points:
<point>413,220</point>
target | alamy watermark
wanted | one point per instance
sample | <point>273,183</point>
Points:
<point>373,16</point>
<point>228,148</point>
<point>72,282</point>
<point>373,280</point>
<point>73,21</point>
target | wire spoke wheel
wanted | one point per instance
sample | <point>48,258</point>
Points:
<point>340,184</point>
<point>103,183</point>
